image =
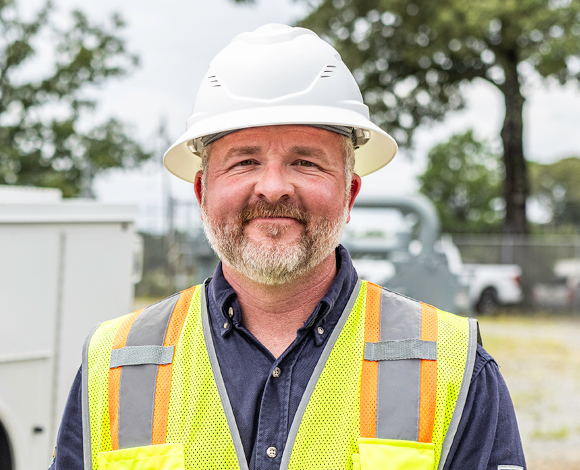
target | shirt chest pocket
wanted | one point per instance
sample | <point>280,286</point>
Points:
<point>389,454</point>
<point>156,457</point>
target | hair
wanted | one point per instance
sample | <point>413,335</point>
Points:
<point>347,150</point>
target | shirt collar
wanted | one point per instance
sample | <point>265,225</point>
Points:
<point>224,296</point>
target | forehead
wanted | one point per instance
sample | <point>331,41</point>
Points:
<point>284,137</point>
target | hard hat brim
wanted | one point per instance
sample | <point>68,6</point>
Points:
<point>375,154</point>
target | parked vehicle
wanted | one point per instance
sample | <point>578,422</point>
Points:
<point>493,285</point>
<point>429,267</point>
<point>414,266</point>
<point>58,259</point>
<point>564,290</point>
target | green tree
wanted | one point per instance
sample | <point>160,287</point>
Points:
<point>41,141</point>
<point>411,56</point>
<point>556,186</point>
<point>463,179</point>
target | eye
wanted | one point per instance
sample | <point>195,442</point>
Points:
<point>245,163</point>
<point>305,163</point>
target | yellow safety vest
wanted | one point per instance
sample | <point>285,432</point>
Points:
<point>387,393</point>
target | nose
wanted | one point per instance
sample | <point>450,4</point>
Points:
<point>274,183</point>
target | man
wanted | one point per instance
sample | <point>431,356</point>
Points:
<point>284,359</point>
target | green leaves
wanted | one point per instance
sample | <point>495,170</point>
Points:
<point>410,56</point>
<point>556,186</point>
<point>395,54</point>
<point>463,179</point>
<point>40,138</point>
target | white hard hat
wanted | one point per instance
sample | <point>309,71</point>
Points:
<point>279,75</point>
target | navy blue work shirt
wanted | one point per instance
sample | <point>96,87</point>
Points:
<point>265,392</point>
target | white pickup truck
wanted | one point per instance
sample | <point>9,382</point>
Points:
<point>490,285</point>
<point>493,285</point>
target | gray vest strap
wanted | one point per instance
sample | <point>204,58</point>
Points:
<point>137,355</point>
<point>140,359</point>
<point>398,350</point>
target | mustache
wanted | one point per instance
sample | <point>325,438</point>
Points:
<point>264,209</point>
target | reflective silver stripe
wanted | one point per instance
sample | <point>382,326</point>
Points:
<point>401,349</point>
<point>399,382</point>
<point>151,325</point>
<point>137,355</point>
<point>136,399</point>
<point>458,411</point>
<point>87,456</point>
<point>137,387</point>
<point>315,376</point>
<point>215,367</point>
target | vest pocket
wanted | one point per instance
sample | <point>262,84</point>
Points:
<point>157,457</point>
<point>391,454</point>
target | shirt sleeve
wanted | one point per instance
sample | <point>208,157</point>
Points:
<point>69,442</point>
<point>487,436</point>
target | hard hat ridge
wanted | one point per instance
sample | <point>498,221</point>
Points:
<point>272,33</point>
<point>279,75</point>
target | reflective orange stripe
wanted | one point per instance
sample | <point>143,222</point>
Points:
<point>163,384</point>
<point>428,376</point>
<point>369,378</point>
<point>115,378</point>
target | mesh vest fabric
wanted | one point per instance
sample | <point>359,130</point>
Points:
<point>196,415</point>
<point>452,346</point>
<point>99,357</point>
<point>325,436</point>
<point>329,429</point>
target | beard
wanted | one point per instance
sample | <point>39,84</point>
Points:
<point>271,262</point>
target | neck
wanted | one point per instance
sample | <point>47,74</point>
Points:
<point>273,313</point>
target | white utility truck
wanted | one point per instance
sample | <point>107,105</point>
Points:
<point>408,254</point>
<point>65,265</point>
<point>405,254</point>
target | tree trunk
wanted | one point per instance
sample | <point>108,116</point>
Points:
<point>516,186</point>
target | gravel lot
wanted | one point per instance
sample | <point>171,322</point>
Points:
<point>539,357</point>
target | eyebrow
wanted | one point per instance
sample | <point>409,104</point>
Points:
<point>300,150</point>
<point>249,150</point>
<point>305,151</point>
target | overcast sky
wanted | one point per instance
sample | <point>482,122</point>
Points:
<point>176,40</point>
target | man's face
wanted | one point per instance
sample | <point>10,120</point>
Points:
<point>276,200</point>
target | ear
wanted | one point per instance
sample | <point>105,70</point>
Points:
<point>198,187</point>
<point>355,186</point>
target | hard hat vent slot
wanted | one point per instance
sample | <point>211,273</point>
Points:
<point>214,81</point>
<point>327,71</point>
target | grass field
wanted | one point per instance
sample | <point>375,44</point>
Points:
<point>539,357</point>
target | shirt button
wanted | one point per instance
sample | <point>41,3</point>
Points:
<point>231,312</point>
<point>276,373</point>
<point>320,330</point>
<point>226,324</point>
<point>272,452</point>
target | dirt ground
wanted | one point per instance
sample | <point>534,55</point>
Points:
<point>539,357</point>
